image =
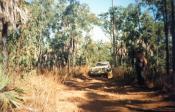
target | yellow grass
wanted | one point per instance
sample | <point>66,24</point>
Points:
<point>40,92</point>
<point>118,72</point>
<point>41,89</point>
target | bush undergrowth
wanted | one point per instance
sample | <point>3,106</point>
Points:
<point>10,97</point>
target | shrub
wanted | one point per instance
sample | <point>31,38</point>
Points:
<point>10,98</point>
<point>123,75</point>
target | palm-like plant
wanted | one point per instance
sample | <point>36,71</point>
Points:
<point>9,98</point>
<point>11,12</point>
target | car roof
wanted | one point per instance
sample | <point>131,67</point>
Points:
<point>103,62</point>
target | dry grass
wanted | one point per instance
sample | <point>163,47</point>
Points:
<point>42,87</point>
<point>79,71</point>
<point>63,74</point>
<point>40,92</point>
<point>159,80</point>
<point>123,75</point>
<point>119,72</point>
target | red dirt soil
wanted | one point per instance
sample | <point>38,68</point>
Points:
<point>101,95</point>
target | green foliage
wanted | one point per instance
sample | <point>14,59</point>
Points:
<point>135,30</point>
<point>58,32</point>
<point>4,80</point>
<point>93,52</point>
<point>9,98</point>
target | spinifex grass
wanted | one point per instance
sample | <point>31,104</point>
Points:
<point>10,98</point>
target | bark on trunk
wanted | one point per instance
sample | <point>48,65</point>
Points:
<point>173,40</point>
<point>166,30</point>
<point>4,41</point>
<point>113,36</point>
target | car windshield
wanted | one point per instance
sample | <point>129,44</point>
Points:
<point>101,64</point>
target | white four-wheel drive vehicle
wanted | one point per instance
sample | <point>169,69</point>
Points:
<point>101,69</point>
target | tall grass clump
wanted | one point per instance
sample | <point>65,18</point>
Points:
<point>123,75</point>
<point>10,97</point>
<point>40,91</point>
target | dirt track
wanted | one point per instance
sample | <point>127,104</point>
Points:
<point>101,95</point>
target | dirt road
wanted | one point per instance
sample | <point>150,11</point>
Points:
<point>101,95</point>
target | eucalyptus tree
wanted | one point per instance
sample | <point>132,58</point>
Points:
<point>27,43</point>
<point>126,24</point>
<point>163,12</point>
<point>11,12</point>
<point>69,26</point>
<point>111,23</point>
<point>133,34</point>
<point>103,52</point>
<point>89,51</point>
<point>173,37</point>
<point>166,30</point>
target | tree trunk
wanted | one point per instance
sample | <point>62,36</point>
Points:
<point>166,30</point>
<point>4,41</point>
<point>113,36</point>
<point>173,39</point>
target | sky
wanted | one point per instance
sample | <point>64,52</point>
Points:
<point>101,6</point>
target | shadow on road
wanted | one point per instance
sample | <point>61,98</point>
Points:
<point>106,96</point>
